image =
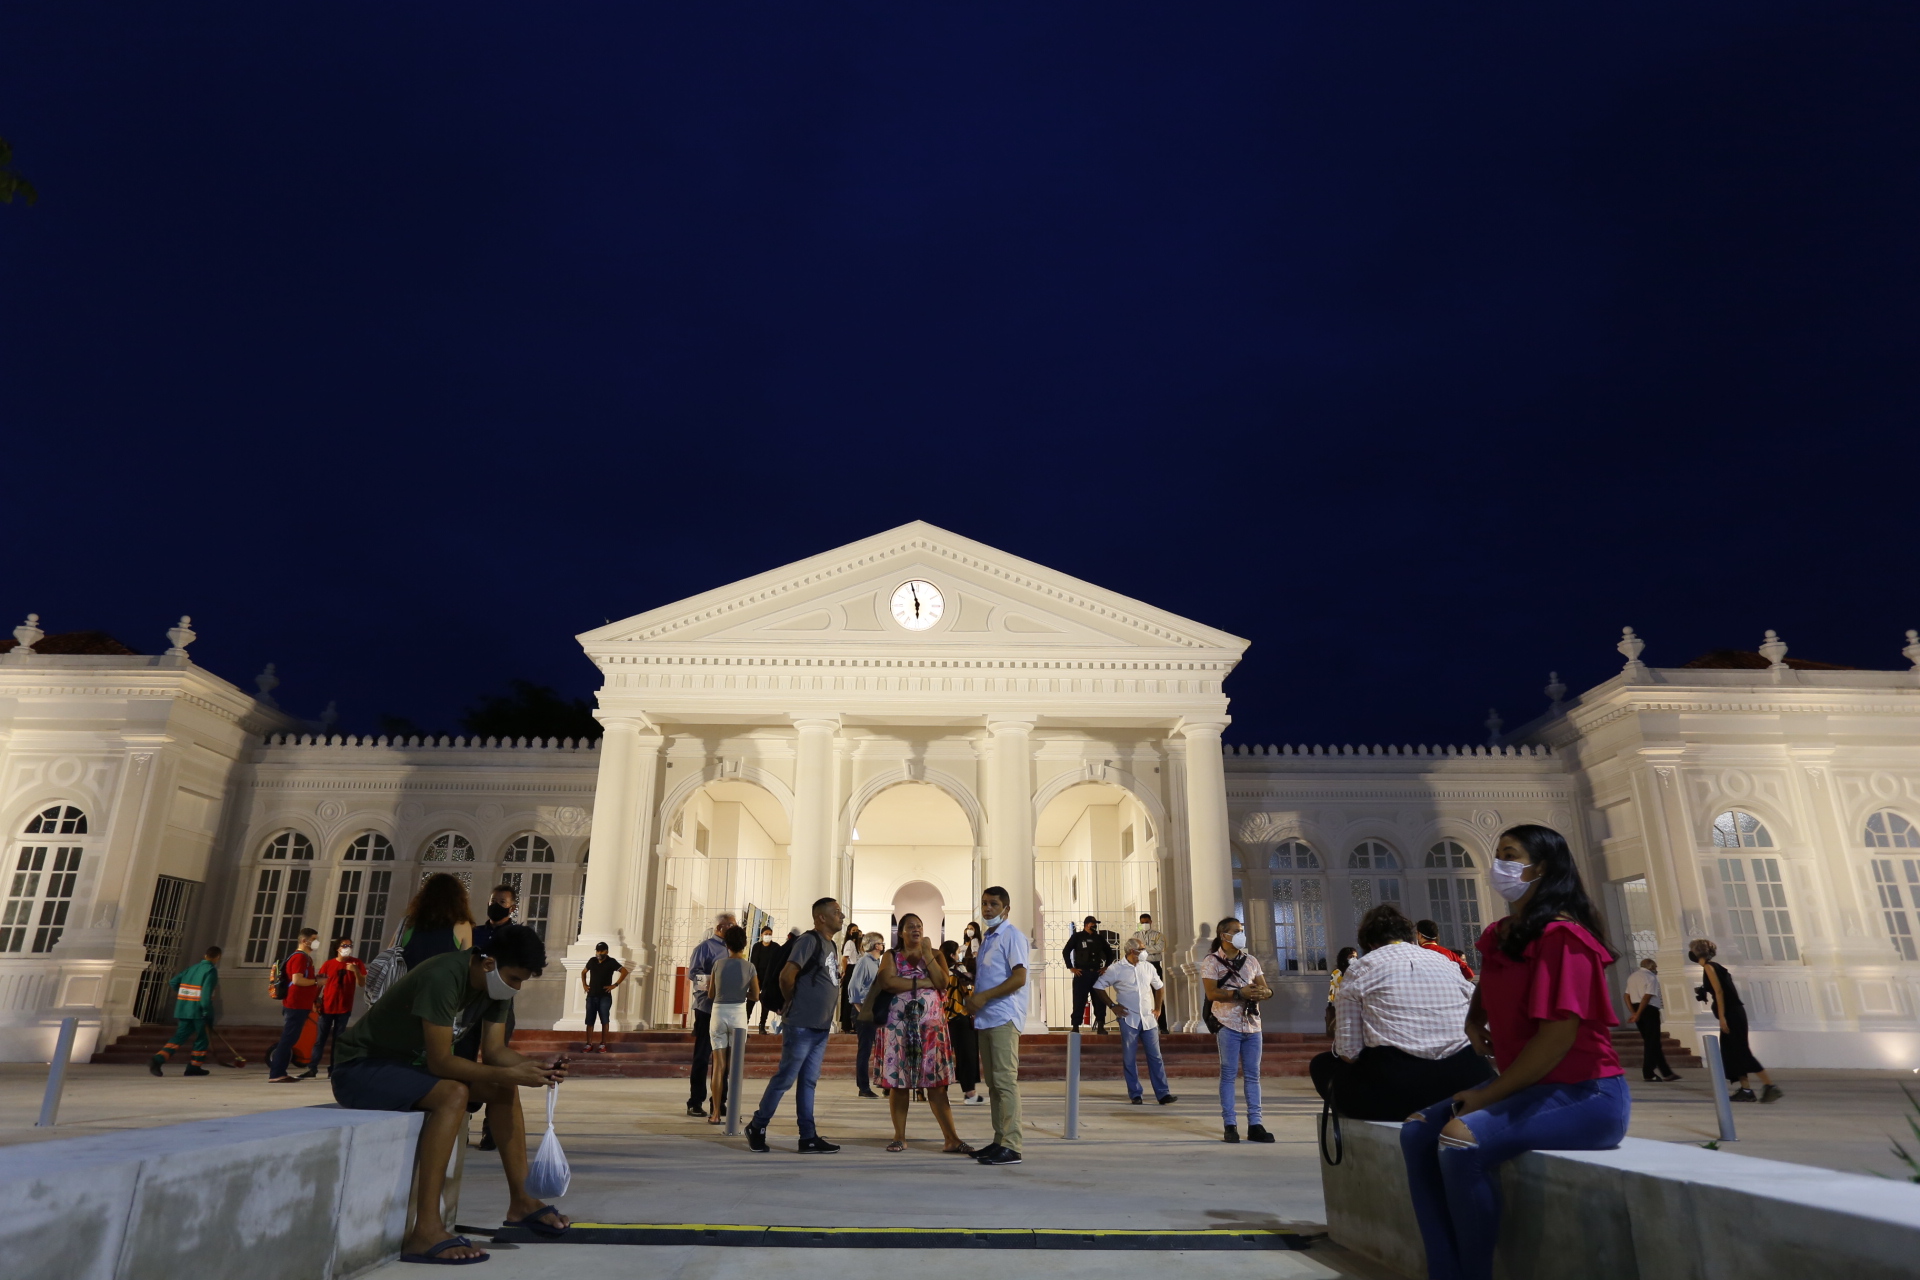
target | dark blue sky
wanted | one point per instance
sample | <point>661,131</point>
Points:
<point>1423,347</point>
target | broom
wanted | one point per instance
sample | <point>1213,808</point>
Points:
<point>238,1059</point>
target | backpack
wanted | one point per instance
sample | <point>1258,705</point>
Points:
<point>279,981</point>
<point>388,967</point>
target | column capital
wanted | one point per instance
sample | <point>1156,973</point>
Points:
<point>815,720</point>
<point>625,721</point>
<point>1196,726</point>
<point>997,723</point>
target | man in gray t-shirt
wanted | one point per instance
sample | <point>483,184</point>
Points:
<point>811,983</point>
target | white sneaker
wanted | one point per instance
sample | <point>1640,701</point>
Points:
<point>973,1100</point>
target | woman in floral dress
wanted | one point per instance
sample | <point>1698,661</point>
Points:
<point>912,1050</point>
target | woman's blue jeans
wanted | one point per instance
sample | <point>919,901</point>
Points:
<point>1456,1190</point>
<point>1239,1055</point>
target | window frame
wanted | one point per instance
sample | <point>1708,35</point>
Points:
<point>36,902</point>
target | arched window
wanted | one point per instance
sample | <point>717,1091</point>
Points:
<point>1754,896</point>
<point>279,898</point>
<point>1885,830</point>
<point>448,846</point>
<point>45,875</point>
<point>369,846</point>
<point>528,848</point>
<point>1293,854</point>
<point>289,844</point>
<point>61,820</point>
<point>1372,854</point>
<point>1453,901</point>
<point>1736,830</point>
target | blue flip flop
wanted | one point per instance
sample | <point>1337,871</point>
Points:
<point>451,1242</point>
<point>532,1222</point>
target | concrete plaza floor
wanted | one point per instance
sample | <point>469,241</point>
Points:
<point>636,1157</point>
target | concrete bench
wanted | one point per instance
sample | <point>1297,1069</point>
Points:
<point>313,1193</point>
<point>1646,1211</point>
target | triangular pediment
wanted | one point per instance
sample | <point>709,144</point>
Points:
<point>840,601</point>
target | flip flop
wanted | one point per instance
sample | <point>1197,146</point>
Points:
<point>896,1145</point>
<point>962,1150</point>
<point>532,1222</point>
<point>432,1255</point>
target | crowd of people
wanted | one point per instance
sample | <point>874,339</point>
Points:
<point>1478,1065</point>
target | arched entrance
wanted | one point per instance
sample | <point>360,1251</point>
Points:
<point>912,843</point>
<point>725,850</point>
<point>1096,853</point>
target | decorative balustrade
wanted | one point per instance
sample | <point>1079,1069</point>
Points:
<point>1436,751</point>
<point>456,743</point>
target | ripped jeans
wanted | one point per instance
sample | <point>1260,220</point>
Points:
<point>1456,1190</point>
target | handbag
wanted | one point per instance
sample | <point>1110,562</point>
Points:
<point>548,1174</point>
<point>1330,1122</point>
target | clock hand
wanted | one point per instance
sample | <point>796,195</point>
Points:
<point>915,592</point>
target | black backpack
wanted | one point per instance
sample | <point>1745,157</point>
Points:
<point>279,981</point>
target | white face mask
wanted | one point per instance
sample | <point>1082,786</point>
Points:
<point>1509,879</point>
<point>345,952</point>
<point>1239,940</point>
<point>498,988</point>
<point>990,919</point>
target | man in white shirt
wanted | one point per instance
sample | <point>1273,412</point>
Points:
<point>1643,1011</point>
<point>1134,986</point>
<point>1399,1027</point>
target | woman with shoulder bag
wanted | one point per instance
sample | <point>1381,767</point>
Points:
<point>1235,988</point>
<point>911,1049</point>
<point>966,1041</point>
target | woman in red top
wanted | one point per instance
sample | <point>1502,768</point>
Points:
<point>340,980</point>
<point>1543,1005</point>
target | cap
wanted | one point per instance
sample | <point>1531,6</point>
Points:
<point>599,946</point>
<point>1091,920</point>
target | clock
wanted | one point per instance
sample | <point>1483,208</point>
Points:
<point>917,605</point>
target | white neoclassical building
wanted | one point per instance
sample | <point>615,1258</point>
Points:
<point>903,721</point>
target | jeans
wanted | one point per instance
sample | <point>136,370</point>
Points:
<point>600,1006</point>
<point>292,1023</point>
<point>331,1025</point>
<point>1239,1053</point>
<point>1131,1039</point>
<point>1456,1190</point>
<point>865,1030</point>
<point>801,1051</point>
<point>702,1054</point>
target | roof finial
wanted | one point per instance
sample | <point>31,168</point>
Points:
<point>330,717</point>
<point>1556,693</point>
<point>1774,650</point>
<point>266,682</point>
<point>1494,725</point>
<point>180,637</point>
<point>1911,652</point>
<point>29,634</point>
<point>1630,647</point>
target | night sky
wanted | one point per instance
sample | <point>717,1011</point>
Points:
<point>1424,347</point>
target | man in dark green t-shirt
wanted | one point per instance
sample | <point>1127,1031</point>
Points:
<point>436,1041</point>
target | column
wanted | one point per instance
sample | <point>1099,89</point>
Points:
<point>1010,841</point>
<point>810,855</point>
<point>1209,860</point>
<point>613,858</point>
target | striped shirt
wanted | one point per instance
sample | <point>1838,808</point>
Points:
<point>1404,996</point>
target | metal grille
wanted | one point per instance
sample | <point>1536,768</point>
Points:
<point>166,947</point>
<point>694,890</point>
<point>1068,892</point>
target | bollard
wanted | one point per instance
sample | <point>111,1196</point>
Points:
<point>57,1074</point>
<point>1722,1103</point>
<point>1073,1085</point>
<point>736,1080</point>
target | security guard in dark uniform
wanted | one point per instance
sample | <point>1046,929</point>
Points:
<point>1088,954</point>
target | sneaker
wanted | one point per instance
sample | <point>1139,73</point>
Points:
<point>1233,1135</point>
<point>1669,1078</point>
<point>973,1100</point>
<point>987,1152</point>
<point>1772,1093</point>
<point>1258,1133</point>
<point>1002,1156</point>
<point>196,1071</point>
<point>1169,1100</point>
<point>308,1074</point>
<point>695,1109</point>
<point>868,1093</point>
<point>153,1065</point>
<point>1138,1102</point>
<point>816,1146</point>
<point>757,1139</point>
<point>1743,1095</point>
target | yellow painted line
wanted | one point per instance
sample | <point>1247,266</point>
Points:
<point>972,1231</point>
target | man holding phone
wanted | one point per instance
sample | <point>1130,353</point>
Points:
<point>436,1042</point>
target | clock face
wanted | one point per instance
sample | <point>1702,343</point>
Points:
<point>917,605</point>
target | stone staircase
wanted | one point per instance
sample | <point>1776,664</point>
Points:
<point>1626,1043</point>
<point>667,1055</point>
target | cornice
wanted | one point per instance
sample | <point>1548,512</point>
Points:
<point>1331,795</point>
<point>955,658</point>
<point>415,784</point>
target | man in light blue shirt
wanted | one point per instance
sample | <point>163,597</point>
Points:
<point>999,1008</point>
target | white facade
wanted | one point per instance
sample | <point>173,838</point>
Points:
<point>905,720</point>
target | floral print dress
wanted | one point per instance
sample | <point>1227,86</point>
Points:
<point>913,1049</point>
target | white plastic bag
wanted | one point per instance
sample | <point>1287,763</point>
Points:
<point>547,1173</point>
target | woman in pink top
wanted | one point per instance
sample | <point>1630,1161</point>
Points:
<point>1542,1011</point>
